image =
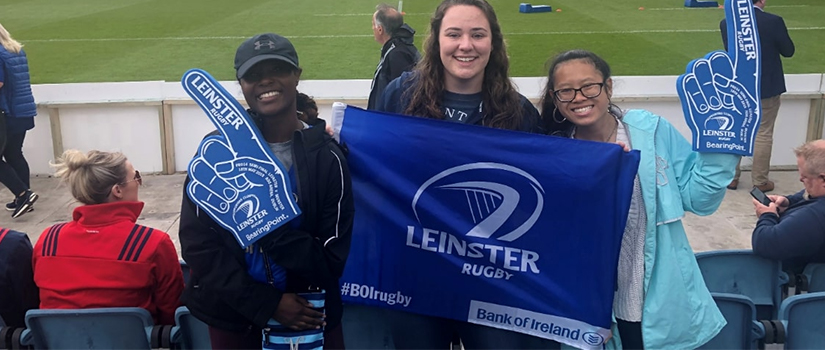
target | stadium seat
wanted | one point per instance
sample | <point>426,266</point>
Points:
<point>741,272</point>
<point>193,333</point>
<point>184,267</point>
<point>815,277</point>
<point>103,328</point>
<point>13,338</point>
<point>804,319</point>
<point>698,3</point>
<point>742,330</point>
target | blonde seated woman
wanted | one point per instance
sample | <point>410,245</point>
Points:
<point>103,258</point>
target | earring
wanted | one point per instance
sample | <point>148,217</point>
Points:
<point>563,118</point>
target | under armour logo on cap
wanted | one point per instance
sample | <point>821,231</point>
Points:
<point>261,43</point>
<point>267,46</point>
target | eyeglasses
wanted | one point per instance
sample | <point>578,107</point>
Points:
<point>591,90</point>
<point>136,178</point>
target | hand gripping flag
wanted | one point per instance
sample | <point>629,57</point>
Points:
<point>720,92</point>
<point>235,177</point>
<point>500,228</point>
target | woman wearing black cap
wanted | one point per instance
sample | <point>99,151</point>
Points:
<point>237,291</point>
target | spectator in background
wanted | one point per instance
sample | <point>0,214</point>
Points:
<point>17,111</point>
<point>102,258</point>
<point>773,42</point>
<point>18,293</point>
<point>307,108</point>
<point>792,228</point>
<point>398,52</point>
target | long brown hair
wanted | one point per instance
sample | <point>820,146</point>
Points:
<point>501,102</point>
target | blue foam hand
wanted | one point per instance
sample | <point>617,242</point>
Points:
<point>720,92</point>
<point>235,178</point>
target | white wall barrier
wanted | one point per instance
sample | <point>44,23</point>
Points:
<point>159,128</point>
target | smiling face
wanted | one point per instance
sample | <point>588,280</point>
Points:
<point>270,87</point>
<point>465,41</point>
<point>582,111</point>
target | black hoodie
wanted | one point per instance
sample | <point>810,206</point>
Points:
<point>397,56</point>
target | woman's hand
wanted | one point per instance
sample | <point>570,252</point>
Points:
<point>297,313</point>
<point>625,147</point>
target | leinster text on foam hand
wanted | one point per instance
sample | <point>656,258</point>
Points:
<point>356,290</point>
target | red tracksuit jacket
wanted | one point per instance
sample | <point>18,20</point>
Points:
<point>103,259</point>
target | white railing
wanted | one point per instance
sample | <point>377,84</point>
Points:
<point>158,127</point>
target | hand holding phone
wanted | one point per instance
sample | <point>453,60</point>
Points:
<point>760,196</point>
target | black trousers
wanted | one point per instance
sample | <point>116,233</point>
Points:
<point>631,334</point>
<point>14,170</point>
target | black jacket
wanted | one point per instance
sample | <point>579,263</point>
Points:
<point>797,237</point>
<point>773,41</point>
<point>221,292</point>
<point>397,56</point>
<point>18,293</point>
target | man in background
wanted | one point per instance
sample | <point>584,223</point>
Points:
<point>773,41</point>
<point>792,228</point>
<point>398,53</point>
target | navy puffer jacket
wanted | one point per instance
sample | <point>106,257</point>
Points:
<point>16,97</point>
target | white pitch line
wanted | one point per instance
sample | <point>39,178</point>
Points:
<point>364,14</point>
<point>644,31</point>
<point>648,31</point>
<point>708,8</point>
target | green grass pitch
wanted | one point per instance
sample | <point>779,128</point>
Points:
<point>134,40</point>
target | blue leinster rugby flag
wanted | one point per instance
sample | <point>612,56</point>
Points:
<point>500,228</point>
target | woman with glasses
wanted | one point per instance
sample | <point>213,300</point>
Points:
<point>103,258</point>
<point>661,300</point>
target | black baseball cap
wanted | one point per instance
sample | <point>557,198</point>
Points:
<point>263,47</point>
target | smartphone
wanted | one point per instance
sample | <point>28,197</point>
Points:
<point>760,196</point>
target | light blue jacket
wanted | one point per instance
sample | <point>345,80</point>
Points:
<point>679,312</point>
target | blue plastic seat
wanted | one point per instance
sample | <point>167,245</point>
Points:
<point>194,334</point>
<point>741,272</point>
<point>742,330</point>
<point>815,274</point>
<point>804,319</point>
<point>104,328</point>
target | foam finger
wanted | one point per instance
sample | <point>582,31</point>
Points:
<point>205,174</point>
<point>704,78</point>
<point>224,111</point>
<point>207,198</point>
<point>694,93</point>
